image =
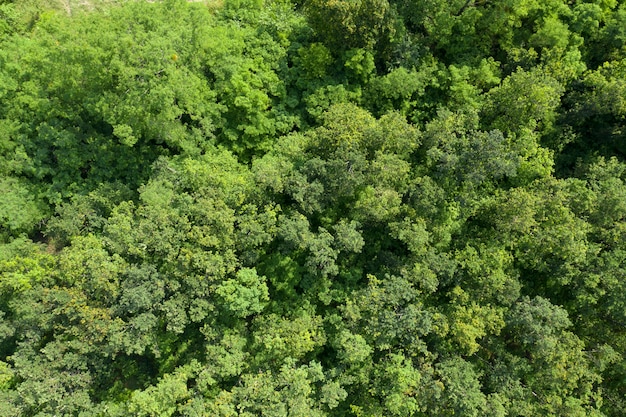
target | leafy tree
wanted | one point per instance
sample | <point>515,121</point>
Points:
<point>537,110</point>
<point>595,111</point>
<point>244,295</point>
<point>557,368</point>
<point>344,25</point>
<point>21,212</point>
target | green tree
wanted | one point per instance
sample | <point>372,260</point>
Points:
<point>344,25</point>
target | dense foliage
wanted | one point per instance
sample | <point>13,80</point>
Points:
<point>313,208</point>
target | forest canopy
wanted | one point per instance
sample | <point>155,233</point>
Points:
<point>312,208</point>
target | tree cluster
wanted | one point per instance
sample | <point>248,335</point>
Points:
<point>312,208</point>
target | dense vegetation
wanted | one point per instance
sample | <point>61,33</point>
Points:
<point>313,208</point>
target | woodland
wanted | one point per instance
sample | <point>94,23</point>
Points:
<point>311,208</point>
